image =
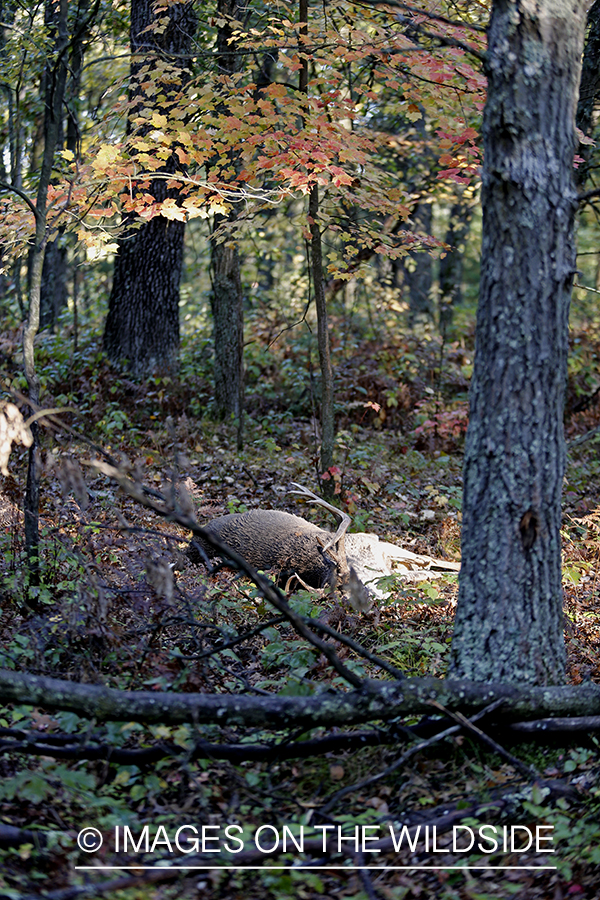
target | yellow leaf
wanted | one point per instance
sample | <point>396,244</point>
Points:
<point>194,210</point>
<point>159,121</point>
<point>219,206</point>
<point>171,211</point>
<point>106,155</point>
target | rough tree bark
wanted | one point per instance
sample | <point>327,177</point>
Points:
<point>142,326</point>
<point>318,281</point>
<point>53,297</point>
<point>227,299</point>
<point>509,614</point>
<point>589,90</point>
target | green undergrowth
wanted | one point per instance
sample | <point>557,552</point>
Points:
<point>110,613</point>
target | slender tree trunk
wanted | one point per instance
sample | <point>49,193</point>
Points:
<point>8,10</point>
<point>327,399</point>
<point>32,489</point>
<point>227,299</point>
<point>55,275</point>
<point>589,90</point>
<point>142,326</point>
<point>10,155</point>
<point>12,152</point>
<point>509,613</point>
<point>316,257</point>
<point>451,266</point>
<point>228,328</point>
<point>52,129</point>
<point>415,271</point>
<point>54,271</point>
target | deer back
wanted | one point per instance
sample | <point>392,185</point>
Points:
<point>271,539</point>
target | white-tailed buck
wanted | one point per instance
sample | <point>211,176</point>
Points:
<point>291,546</point>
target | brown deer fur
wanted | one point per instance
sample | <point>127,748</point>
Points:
<point>289,545</point>
<point>271,539</point>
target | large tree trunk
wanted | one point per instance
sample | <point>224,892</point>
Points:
<point>54,295</point>
<point>509,615</point>
<point>143,316</point>
<point>142,327</point>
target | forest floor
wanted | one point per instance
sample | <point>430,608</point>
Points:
<point>121,605</point>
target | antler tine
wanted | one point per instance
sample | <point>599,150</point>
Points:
<point>314,498</point>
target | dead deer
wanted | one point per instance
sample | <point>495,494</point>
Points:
<point>292,546</point>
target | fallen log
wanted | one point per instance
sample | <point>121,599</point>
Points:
<point>375,700</point>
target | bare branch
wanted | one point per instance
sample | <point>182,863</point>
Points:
<point>435,17</point>
<point>528,771</point>
<point>4,186</point>
<point>366,782</point>
<point>71,746</point>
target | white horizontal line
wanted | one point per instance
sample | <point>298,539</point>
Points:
<point>307,866</point>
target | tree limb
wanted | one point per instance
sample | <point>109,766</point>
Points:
<point>71,746</point>
<point>455,23</point>
<point>525,769</point>
<point>375,700</point>
<point>560,724</point>
<point>4,186</point>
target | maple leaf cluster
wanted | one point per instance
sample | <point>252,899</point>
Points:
<point>386,94</point>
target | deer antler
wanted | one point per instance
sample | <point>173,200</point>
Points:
<point>344,518</point>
